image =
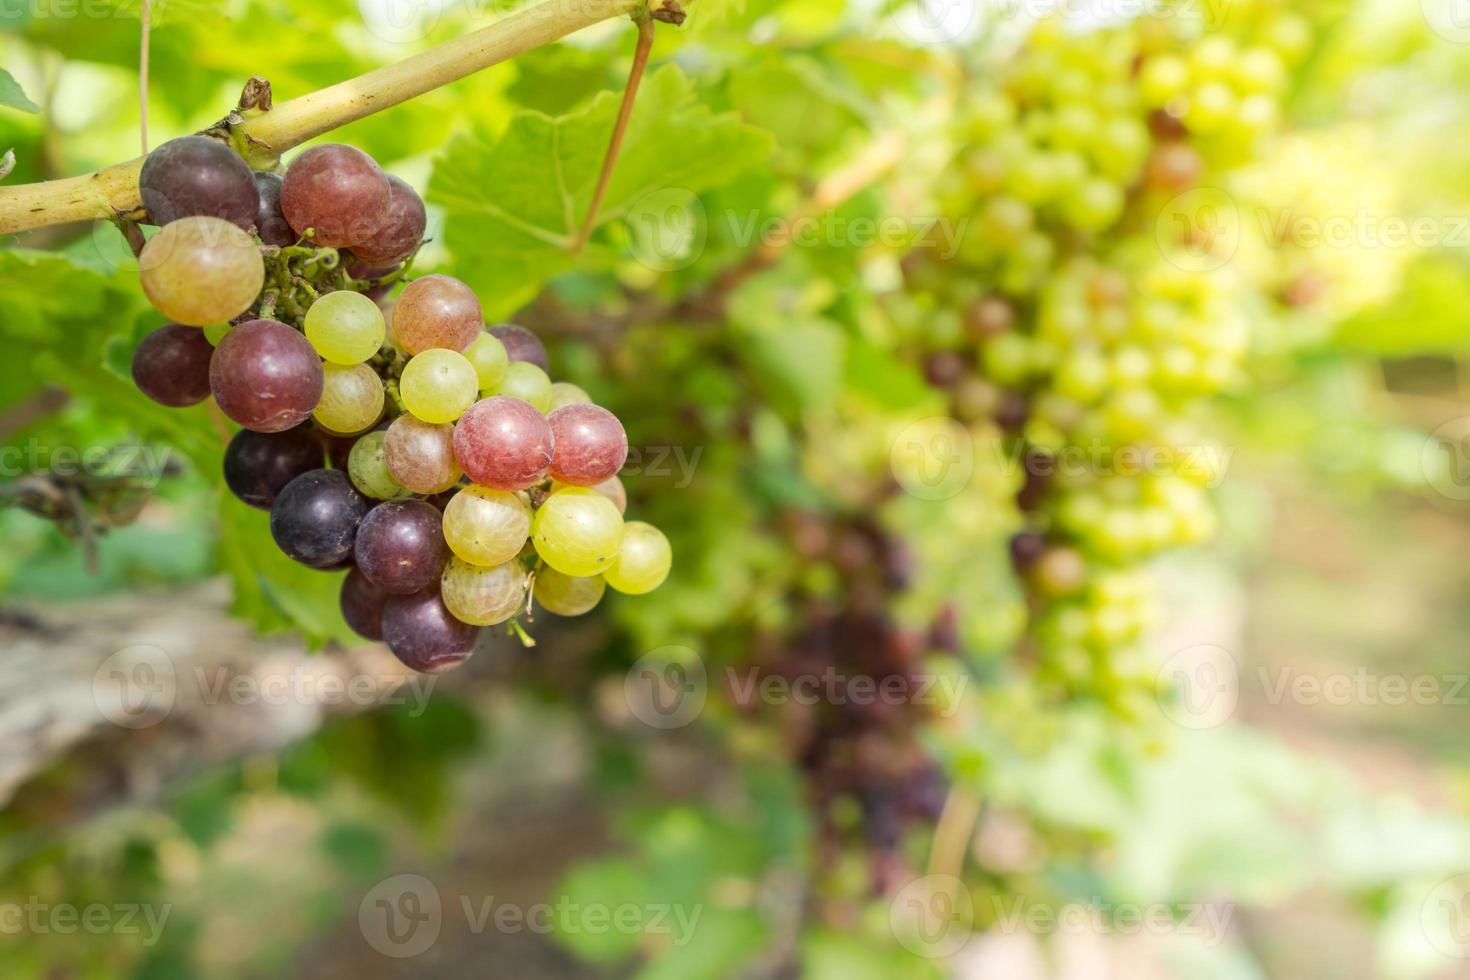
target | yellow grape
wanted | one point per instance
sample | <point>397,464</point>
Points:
<point>201,270</point>
<point>566,595</point>
<point>352,398</point>
<point>527,382</point>
<point>489,358</point>
<point>483,596</point>
<point>485,526</point>
<point>566,393</point>
<point>577,531</point>
<point>438,385</point>
<point>643,562</point>
<point>345,327</point>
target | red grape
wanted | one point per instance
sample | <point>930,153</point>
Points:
<point>337,193</point>
<point>259,464</point>
<point>171,365</point>
<point>401,231</point>
<point>315,518</point>
<point>401,547</point>
<point>420,456</point>
<point>270,224</point>
<point>197,175</point>
<point>589,444</point>
<point>436,311</point>
<point>421,632</point>
<point>522,345</point>
<point>266,376</point>
<point>362,605</point>
<point>503,443</point>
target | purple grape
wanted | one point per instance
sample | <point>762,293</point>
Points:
<point>266,376</point>
<point>400,546</point>
<point>171,365</point>
<point>315,518</point>
<point>503,443</point>
<point>258,465</point>
<point>270,223</point>
<point>589,444</point>
<point>522,345</point>
<point>195,175</point>
<point>421,633</point>
<point>337,193</point>
<point>362,605</point>
<point>401,231</point>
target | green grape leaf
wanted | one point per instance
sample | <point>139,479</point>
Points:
<point>516,199</point>
<point>1427,316</point>
<point>12,95</point>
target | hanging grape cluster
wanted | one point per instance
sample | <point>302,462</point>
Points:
<point>436,461</point>
<point>1088,326</point>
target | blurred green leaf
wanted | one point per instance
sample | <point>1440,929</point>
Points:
<point>12,95</point>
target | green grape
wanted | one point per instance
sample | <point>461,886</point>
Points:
<point>483,595</point>
<point>527,382</point>
<point>487,355</point>
<point>368,470</point>
<point>566,393</point>
<point>352,398</point>
<point>438,384</point>
<point>216,332</point>
<point>345,327</point>
<point>485,526</point>
<point>577,531</point>
<point>643,561</point>
<point>566,595</point>
<point>199,270</point>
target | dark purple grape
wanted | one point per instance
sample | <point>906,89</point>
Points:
<point>197,175</point>
<point>1027,547</point>
<point>588,444</point>
<point>421,633</point>
<point>401,231</point>
<point>171,365</point>
<point>266,376</point>
<point>503,443</point>
<point>362,605</point>
<point>315,518</point>
<point>401,547</point>
<point>522,345</point>
<point>259,464</point>
<point>337,193</point>
<point>270,223</point>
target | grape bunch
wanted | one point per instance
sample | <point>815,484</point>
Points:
<point>1085,327</point>
<point>427,454</point>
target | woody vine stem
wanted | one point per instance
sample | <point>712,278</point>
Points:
<point>264,135</point>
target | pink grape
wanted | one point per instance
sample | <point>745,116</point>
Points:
<point>503,443</point>
<point>401,231</point>
<point>436,311</point>
<point>590,444</point>
<point>420,455</point>
<point>337,193</point>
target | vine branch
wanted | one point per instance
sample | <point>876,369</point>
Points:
<point>625,112</point>
<point>266,135</point>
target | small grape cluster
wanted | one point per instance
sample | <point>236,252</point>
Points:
<point>438,462</point>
